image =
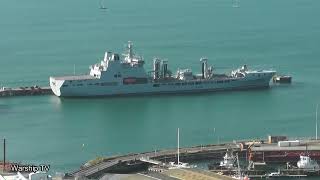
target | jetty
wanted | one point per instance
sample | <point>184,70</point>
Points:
<point>25,91</point>
<point>256,153</point>
<point>141,161</point>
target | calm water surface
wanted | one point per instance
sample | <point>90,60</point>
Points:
<point>44,38</point>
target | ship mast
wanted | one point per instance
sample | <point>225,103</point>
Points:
<point>239,169</point>
<point>178,148</point>
<point>130,50</point>
<point>317,122</point>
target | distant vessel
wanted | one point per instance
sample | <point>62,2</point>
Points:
<point>114,76</point>
<point>236,3</point>
<point>102,5</point>
<point>282,79</point>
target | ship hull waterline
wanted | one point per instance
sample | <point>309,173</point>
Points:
<point>84,92</point>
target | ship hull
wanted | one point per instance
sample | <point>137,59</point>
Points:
<point>115,76</point>
<point>189,92</point>
<point>159,88</point>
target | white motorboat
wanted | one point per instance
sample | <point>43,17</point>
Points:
<point>306,163</point>
<point>228,161</point>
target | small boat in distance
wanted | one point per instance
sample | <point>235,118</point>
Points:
<point>102,5</point>
<point>236,3</point>
<point>282,79</point>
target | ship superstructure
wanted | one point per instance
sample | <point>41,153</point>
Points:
<point>127,76</point>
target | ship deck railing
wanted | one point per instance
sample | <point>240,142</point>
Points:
<point>75,77</point>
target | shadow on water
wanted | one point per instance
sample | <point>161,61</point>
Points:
<point>288,85</point>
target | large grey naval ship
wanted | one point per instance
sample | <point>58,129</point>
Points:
<point>116,76</point>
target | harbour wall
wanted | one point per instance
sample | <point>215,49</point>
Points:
<point>25,91</point>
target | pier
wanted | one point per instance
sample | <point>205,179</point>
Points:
<point>256,153</point>
<point>131,162</point>
<point>25,91</point>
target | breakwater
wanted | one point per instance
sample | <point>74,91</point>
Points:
<point>250,151</point>
<point>25,91</point>
<point>140,160</point>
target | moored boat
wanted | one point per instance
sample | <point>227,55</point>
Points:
<point>115,76</point>
<point>282,79</point>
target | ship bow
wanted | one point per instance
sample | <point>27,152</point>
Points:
<point>55,85</point>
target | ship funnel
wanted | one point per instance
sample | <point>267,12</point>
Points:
<point>130,50</point>
<point>164,69</point>
<point>107,56</point>
<point>204,67</point>
<point>244,68</point>
<point>156,68</point>
<point>115,57</point>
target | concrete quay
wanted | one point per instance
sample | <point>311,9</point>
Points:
<point>132,162</point>
<point>253,151</point>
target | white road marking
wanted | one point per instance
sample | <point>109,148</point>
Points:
<point>148,176</point>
